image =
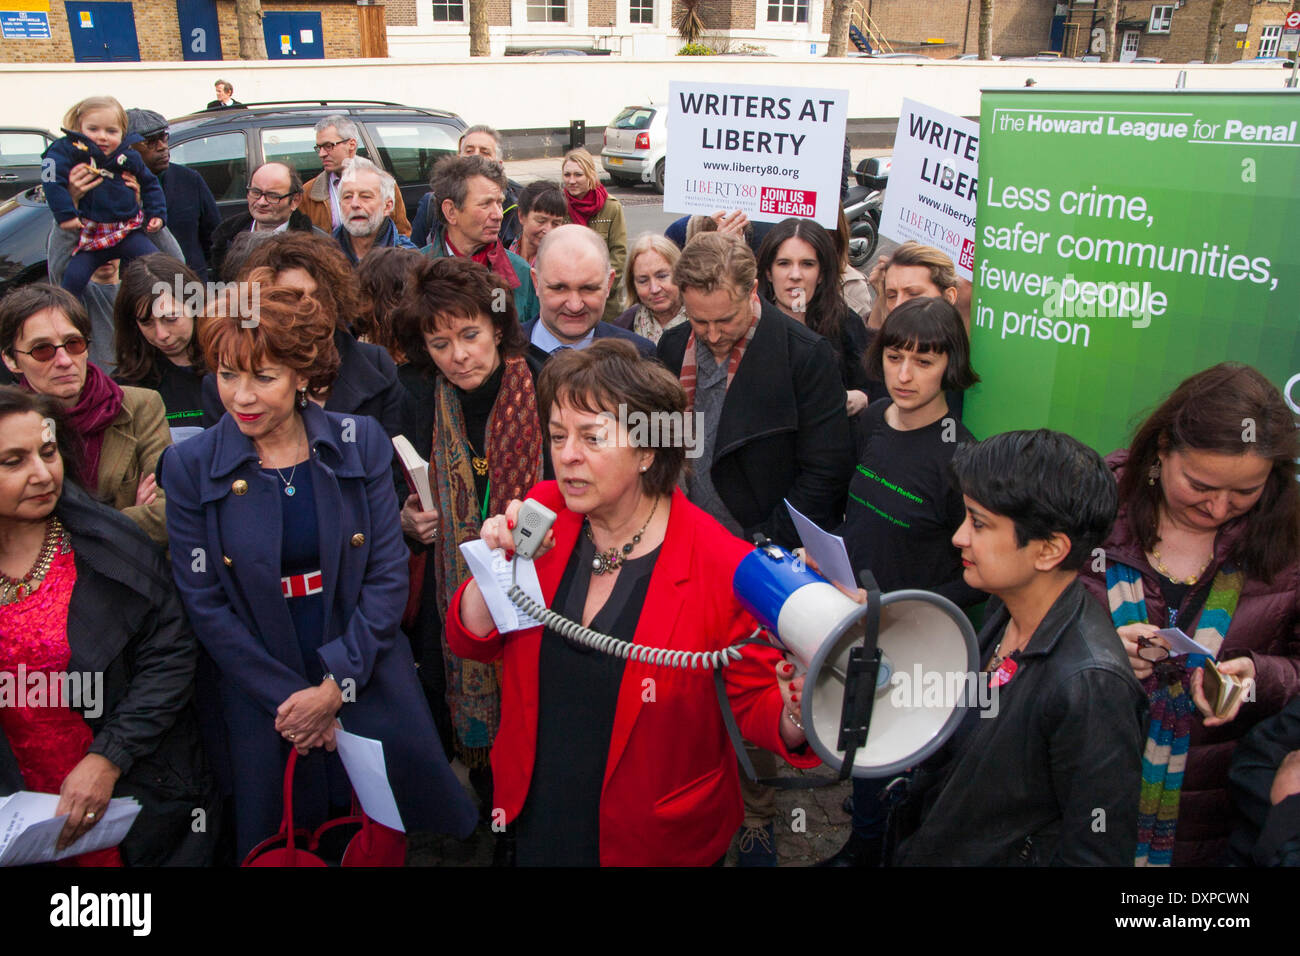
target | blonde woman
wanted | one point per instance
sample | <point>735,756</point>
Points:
<point>654,303</point>
<point>591,206</point>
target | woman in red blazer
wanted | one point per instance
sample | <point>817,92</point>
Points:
<point>598,760</point>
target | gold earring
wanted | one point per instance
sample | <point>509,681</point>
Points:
<point>1153,473</point>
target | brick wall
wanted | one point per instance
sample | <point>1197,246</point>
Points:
<point>498,13</point>
<point>1020,27</point>
<point>1189,25</point>
<point>721,14</point>
<point>158,31</point>
<point>401,13</point>
<point>600,13</point>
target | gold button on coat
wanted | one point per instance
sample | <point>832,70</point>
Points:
<point>239,487</point>
<point>358,540</point>
<point>228,562</point>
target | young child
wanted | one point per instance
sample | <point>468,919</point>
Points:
<point>109,216</point>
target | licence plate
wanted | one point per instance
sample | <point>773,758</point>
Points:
<point>615,161</point>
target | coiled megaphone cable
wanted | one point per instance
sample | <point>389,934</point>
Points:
<point>641,653</point>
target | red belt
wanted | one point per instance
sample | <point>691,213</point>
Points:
<point>301,585</point>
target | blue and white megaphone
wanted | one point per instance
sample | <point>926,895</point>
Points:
<point>919,635</point>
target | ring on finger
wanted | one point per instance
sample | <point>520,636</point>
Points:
<point>90,814</point>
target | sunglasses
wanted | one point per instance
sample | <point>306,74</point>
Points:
<point>47,350</point>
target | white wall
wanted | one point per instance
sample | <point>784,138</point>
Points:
<point>533,92</point>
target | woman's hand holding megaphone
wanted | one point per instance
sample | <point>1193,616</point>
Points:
<point>792,694</point>
<point>497,532</point>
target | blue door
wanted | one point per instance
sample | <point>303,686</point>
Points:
<point>102,32</point>
<point>293,36</point>
<point>200,35</point>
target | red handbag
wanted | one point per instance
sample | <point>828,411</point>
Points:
<point>373,845</point>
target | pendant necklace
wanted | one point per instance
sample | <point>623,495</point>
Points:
<point>289,489</point>
<point>613,559</point>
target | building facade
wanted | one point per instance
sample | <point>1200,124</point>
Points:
<point>139,30</point>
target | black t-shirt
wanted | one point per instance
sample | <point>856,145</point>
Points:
<point>904,506</point>
<point>181,388</point>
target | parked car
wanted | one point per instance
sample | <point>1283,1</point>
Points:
<point>636,143</point>
<point>224,146</point>
<point>20,158</point>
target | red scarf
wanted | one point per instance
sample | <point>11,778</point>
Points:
<point>97,406</point>
<point>494,257</point>
<point>580,210</point>
<point>689,373</point>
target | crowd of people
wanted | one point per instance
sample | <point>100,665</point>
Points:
<point>212,516</point>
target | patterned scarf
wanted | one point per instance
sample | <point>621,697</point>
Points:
<point>688,373</point>
<point>514,453</point>
<point>105,235</point>
<point>1172,711</point>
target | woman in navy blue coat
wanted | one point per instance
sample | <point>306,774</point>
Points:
<point>287,550</point>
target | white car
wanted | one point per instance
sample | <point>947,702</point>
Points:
<point>635,145</point>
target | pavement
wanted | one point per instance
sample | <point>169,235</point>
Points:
<point>811,826</point>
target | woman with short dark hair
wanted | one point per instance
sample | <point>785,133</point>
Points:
<point>300,577</point>
<point>155,338</point>
<point>1208,541</point>
<point>1055,745</point>
<point>477,424</point>
<point>590,768</point>
<point>44,335</point>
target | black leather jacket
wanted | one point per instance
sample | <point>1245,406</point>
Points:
<point>125,622</point>
<point>1054,777</point>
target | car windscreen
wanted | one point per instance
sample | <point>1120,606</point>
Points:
<point>634,117</point>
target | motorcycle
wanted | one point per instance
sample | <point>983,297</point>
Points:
<point>862,207</point>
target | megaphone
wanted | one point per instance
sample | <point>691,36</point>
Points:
<point>923,639</point>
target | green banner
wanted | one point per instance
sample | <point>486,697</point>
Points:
<point>1125,241</point>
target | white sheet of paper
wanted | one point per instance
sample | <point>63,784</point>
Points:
<point>363,758</point>
<point>29,830</point>
<point>826,549</point>
<point>492,572</point>
<point>1180,643</point>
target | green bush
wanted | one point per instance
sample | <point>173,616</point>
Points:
<point>696,49</point>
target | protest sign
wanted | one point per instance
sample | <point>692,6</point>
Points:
<point>769,151</point>
<point>933,183</point>
<point>1126,241</point>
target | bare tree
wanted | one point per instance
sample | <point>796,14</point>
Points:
<point>1112,21</point>
<point>248,17</point>
<point>841,13</point>
<point>1212,32</point>
<point>986,29</point>
<point>478,29</point>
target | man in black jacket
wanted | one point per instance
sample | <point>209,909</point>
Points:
<point>274,195</point>
<point>774,422</point>
<point>192,213</point>
<point>1048,767</point>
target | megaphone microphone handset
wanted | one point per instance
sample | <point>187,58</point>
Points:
<point>532,524</point>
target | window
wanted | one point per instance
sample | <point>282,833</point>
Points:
<point>409,150</point>
<point>1161,17</point>
<point>548,11</point>
<point>24,149</point>
<point>642,11</point>
<point>1268,41</point>
<point>296,146</point>
<point>222,161</point>
<point>448,11</point>
<point>787,11</point>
